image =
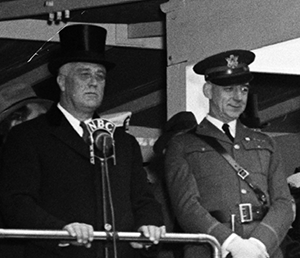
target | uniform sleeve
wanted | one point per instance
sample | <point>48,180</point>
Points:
<point>185,197</point>
<point>277,221</point>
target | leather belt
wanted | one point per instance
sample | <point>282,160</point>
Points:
<point>247,213</point>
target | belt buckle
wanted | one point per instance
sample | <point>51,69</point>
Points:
<point>246,212</point>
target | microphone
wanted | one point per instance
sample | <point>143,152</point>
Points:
<point>104,143</point>
<point>102,131</point>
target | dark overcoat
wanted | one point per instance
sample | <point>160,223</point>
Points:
<point>201,183</point>
<point>47,181</point>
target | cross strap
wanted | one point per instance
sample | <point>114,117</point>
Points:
<point>241,172</point>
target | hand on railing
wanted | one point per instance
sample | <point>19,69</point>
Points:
<point>83,233</point>
<point>153,233</point>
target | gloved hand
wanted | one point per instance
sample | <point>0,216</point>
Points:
<point>244,248</point>
<point>260,245</point>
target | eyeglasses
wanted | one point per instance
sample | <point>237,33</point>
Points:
<point>85,76</point>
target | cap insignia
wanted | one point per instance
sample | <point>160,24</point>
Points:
<point>232,61</point>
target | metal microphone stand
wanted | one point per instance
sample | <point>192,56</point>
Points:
<point>107,151</point>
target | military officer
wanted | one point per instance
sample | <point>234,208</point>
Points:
<point>249,213</point>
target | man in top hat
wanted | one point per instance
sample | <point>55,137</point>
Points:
<point>248,210</point>
<point>48,179</point>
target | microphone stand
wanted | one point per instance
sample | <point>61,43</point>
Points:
<point>103,176</point>
<point>101,136</point>
<point>107,189</point>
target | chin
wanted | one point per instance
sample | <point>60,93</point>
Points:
<point>234,117</point>
<point>93,102</point>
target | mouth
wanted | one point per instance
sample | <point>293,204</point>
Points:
<point>236,106</point>
<point>91,94</point>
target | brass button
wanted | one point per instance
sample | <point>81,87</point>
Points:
<point>236,146</point>
<point>243,191</point>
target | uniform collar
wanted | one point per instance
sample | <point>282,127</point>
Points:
<point>217,123</point>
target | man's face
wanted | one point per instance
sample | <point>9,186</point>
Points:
<point>82,86</point>
<point>226,103</point>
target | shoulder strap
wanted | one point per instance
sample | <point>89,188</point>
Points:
<point>241,172</point>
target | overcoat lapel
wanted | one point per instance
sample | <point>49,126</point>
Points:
<point>61,129</point>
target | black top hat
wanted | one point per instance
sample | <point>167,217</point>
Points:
<point>81,43</point>
<point>227,68</point>
<point>180,122</point>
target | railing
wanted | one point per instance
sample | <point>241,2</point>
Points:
<point>120,236</point>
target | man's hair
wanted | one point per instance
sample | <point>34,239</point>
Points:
<point>65,69</point>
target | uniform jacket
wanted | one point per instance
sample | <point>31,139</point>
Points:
<point>47,181</point>
<point>200,182</point>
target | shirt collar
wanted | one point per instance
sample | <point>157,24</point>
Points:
<point>75,123</point>
<point>217,123</point>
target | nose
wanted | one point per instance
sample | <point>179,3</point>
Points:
<point>93,80</point>
<point>238,93</point>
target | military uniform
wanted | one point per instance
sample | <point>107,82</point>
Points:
<point>206,191</point>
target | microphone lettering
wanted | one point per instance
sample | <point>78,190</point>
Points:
<point>101,124</point>
<point>102,131</point>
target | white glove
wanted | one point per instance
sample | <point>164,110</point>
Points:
<point>260,245</point>
<point>244,248</point>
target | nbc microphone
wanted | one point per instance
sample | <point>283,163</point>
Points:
<point>104,142</point>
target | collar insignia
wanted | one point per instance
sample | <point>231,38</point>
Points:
<point>232,61</point>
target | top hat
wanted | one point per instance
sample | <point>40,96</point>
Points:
<point>180,122</point>
<point>227,68</point>
<point>13,98</point>
<point>81,43</point>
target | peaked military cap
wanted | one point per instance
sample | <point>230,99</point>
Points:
<point>81,43</point>
<point>227,68</point>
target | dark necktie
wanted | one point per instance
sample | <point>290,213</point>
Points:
<point>86,133</point>
<point>225,128</point>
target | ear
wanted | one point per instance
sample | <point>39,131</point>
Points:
<point>60,79</point>
<point>207,90</point>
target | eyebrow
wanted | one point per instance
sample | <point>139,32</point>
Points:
<point>81,69</point>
